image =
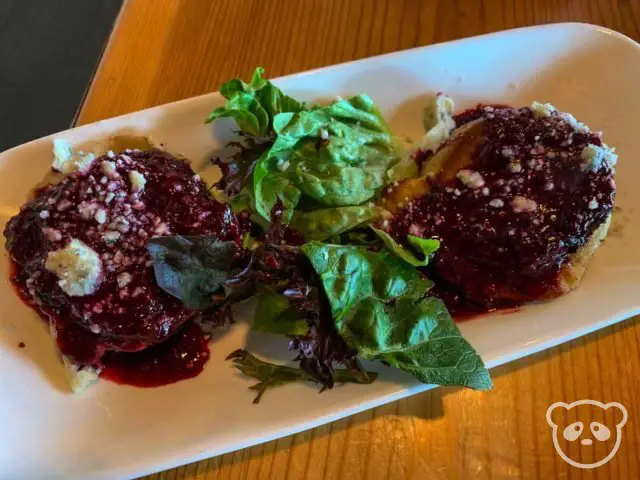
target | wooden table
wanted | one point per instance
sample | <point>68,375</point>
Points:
<point>165,50</point>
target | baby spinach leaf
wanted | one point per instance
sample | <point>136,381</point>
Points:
<point>271,375</point>
<point>379,307</point>
<point>417,336</point>
<point>350,274</point>
<point>427,246</point>
<point>269,189</point>
<point>327,222</point>
<point>191,269</point>
<point>274,314</point>
<point>337,156</point>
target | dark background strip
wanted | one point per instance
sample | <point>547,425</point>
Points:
<point>49,50</point>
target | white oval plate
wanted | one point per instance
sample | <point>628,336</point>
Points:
<point>117,431</point>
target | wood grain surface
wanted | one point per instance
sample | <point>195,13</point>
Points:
<point>165,50</point>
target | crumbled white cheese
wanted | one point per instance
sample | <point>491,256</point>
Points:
<point>62,154</point>
<point>593,156</point>
<point>79,378</point>
<point>121,224</point>
<point>137,181</point>
<point>124,279</point>
<point>470,178</point>
<point>593,204</point>
<point>438,122</point>
<point>110,196</point>
<point>44,214</point>
<point>508,152</point>
<point>523,204</point>
<point>542,110</point>
<point>78,268</point>
<point>87,210</point>
<point>110,236</point>
<point>52,234</point>
<point>66,161</point>
<point>577,126</point>
<point>496,203</point>
<point>101,216</point>
<point>109,169</point>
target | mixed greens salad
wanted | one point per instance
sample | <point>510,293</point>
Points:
<point>308,178</point>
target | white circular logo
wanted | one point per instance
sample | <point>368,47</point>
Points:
<point>589,433</point>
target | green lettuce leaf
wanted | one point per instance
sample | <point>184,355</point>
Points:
<point>418,337</point>
<point>253,106</point>
<point>269,189</point>
<point>327,222</point>
<point>351,273</point>
<point>274,315</point>
<point>336,156</point>
<point>426,246</point>
<point>379,307</point>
